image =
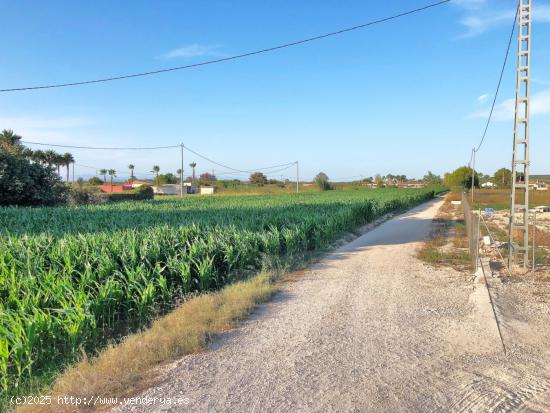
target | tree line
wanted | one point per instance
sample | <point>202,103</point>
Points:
<point>461,178</point>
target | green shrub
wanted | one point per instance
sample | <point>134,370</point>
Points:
<point>28,184</point>
<point>322,182</point>
<point>95,181</point>
<point>85,196</point>
<point>324,185</point>
<point>168,178</point>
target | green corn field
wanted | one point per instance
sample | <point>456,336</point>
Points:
<point>72,278</point>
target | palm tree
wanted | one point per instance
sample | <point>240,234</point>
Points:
<point>131,168</point>
<point>179,172</point>
<point>104,173</point>
<point>193,165</point>
<point>59,161</point>
<point>28,154</point>
<point>38,156</point>
<point>112,174</point>
<point>156,170</point>
<point>9,140</point>
<point>50,157</point>
<point>68,159</point>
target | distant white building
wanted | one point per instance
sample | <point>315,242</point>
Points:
<point>207,190</point>
<point>541,186</point>
<point>488,185</point>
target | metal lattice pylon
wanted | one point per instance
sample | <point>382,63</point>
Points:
<point>519,211</point>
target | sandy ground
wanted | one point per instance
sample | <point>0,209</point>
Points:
<point>502,218</point>
<point>372,329</point>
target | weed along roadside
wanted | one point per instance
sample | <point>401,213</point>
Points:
<point>96,280</point>
<point>119,370</point>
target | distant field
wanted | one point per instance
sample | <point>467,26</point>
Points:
<point>71,278</point>
<point>500,198</point>
<point>278,188</point>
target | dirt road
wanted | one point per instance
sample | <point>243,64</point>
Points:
<point>368,329</point>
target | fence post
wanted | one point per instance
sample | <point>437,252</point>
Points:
<point>472,223</point>
<point>534,236</point>
<point>476,239</point>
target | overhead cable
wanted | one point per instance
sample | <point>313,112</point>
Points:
<point>225,59</point>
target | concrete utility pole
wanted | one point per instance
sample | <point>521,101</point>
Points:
<point>520,157</point>
<point>181,175</point>
<point>473,173</point>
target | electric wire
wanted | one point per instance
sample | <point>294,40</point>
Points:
<point>102,148</point>
<point>499,82</point>
<point>159,147</point>
<point>234,57</point>
<point>231,168</point>
<point>86,166</point>
<point>268,169</point>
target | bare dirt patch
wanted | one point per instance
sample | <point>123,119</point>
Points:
<point>447,244</point>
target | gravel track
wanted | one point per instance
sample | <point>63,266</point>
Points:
<point>369,329</point>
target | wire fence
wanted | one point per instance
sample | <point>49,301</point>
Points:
<point>494,241</point>
<point>484,238</point>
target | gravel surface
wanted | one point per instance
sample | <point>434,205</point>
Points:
<point>370,329</point>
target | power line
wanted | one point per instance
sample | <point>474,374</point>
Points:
<point>275,172</point>
<point>472,162</point>
<point>499,82</point>
<point>234,57</point>
<point>234,169</point>
<point>102,148</point>
<point>266,168</point>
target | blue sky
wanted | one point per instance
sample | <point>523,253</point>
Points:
<point>403,97</point>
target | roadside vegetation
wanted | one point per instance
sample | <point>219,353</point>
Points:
<point>447,244</point>
<point>75,278</point>
<point>120,369</point>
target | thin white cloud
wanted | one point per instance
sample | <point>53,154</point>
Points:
<point>479,24</point>
<point>482,17</point>
<point>504,111</point>
<point>482,99</point>
<point>193,50</point>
